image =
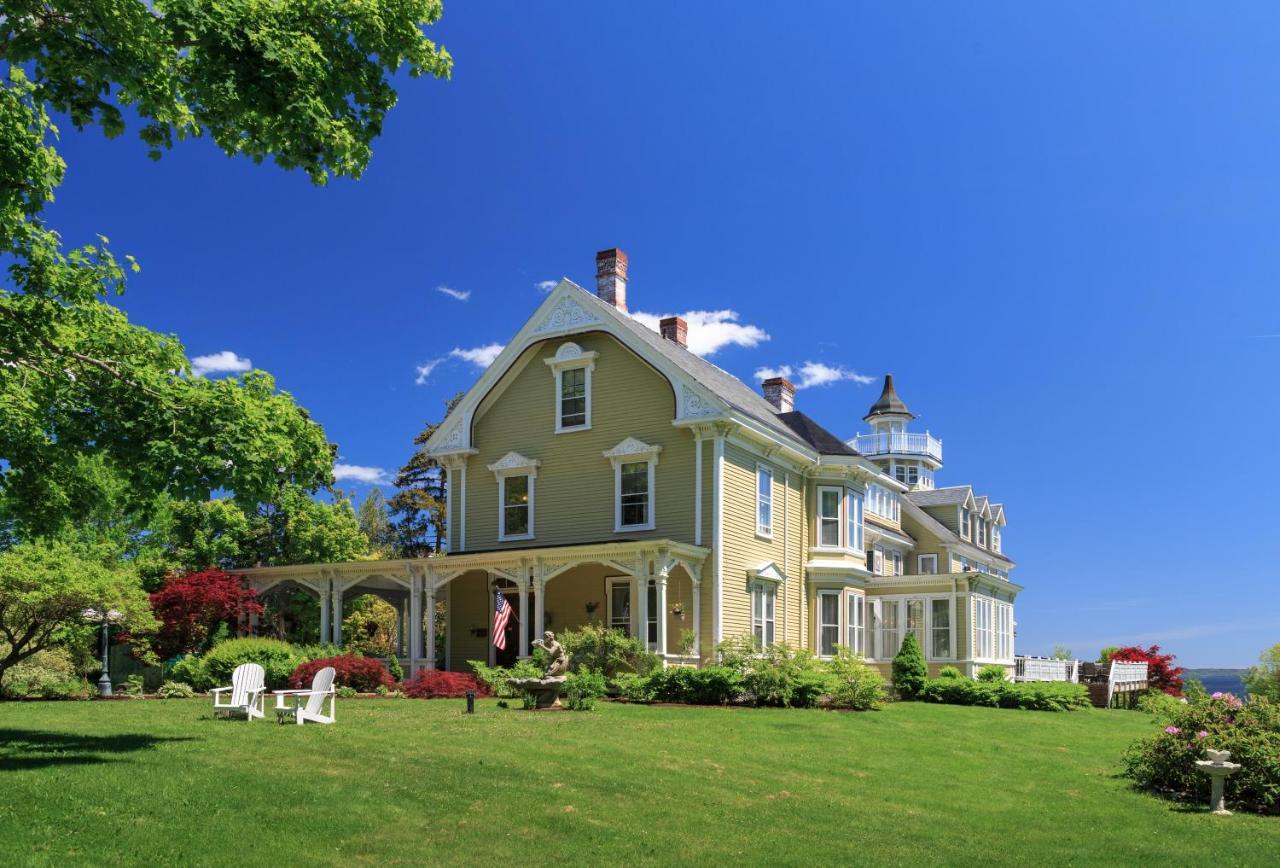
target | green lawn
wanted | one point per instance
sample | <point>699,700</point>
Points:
<point>410,781</point>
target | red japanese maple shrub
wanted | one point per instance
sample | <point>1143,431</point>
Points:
<point>1162,673</point>
<point>434,684</point>
<point>191,607</point>
<point>365,674</point>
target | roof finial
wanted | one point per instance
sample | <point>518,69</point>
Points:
<point>889,404</point>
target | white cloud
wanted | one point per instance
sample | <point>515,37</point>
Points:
<point>225,362</point>
<point>547,285</point>
<point>814,374</point>
<point>481,357</point>
<point>710,330</point>
<point>459,294</point>
<point>358,473</point>
<point>425,370</point>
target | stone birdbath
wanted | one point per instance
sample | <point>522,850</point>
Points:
<point>1218,766</point>
<point>547,689</point>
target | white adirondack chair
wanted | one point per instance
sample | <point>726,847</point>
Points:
<point>245,695</point>
<point>304,705</point>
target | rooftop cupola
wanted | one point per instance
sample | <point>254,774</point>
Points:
<point>911,457</point>
<point>889,404</point>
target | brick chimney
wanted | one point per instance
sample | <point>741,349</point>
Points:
<point>674,328</point>
<point>780,392</point>
<point>611,277</point>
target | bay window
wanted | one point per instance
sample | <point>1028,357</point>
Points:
<point>853,520</point>
<point>982,622</point>
<point>915,622</point>
<point>1004,631</point>
<point>940,628</point>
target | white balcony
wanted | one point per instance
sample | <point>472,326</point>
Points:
<point>905,443</point>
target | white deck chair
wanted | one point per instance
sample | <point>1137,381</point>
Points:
<point>290,703</point>
<point>248,685</point>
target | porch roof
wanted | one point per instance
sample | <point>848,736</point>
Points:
<point>632,556</point>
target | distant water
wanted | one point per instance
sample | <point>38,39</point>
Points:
<point>1219,680</point>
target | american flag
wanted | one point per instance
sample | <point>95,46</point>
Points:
<point>501,615</point>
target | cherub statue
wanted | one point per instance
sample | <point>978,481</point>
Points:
<point>558,663</point>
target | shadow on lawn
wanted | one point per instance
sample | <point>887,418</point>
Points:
<point>33,749</point>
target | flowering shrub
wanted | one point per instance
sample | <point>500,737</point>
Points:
<point>1166,762</point>
<point>190,608</point>
<point>434,684</point>
<point>1162,673</point>
<point>363,674</point>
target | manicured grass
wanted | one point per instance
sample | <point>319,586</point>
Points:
<point>410,781</point>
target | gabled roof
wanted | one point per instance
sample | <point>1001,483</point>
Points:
<point>944,533</point>
<point>954,495</point>
<point>815,435</point>
<point>888,402</point>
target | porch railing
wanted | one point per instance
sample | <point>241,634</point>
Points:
<point>901,443</point>
<point>1045,669</point>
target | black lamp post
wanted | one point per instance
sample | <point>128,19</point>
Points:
<point>104,680</point>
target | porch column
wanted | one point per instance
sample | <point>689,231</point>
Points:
<point>402,628</point>
<point>429,639</point>
<point>642,607</point>
<point>415,622</point>
<point>697,616</point>
<point>539,595</point>
<point>337,613</point>
<point>523,585</point>
<point>326,619</point>
<point>660,581</point>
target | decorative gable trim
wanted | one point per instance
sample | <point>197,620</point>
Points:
<point>768,572</point>
<point>566,314</point>
<point>515,464</point>
<point>630,450</point>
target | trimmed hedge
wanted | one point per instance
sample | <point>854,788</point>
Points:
<point>711,685</point>
<point>279,659</point>
<point>364,674</point>
<point>1029,696</point>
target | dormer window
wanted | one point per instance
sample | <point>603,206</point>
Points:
<point>634,476</point>
<point>995,538</point>
<point>572,368</point>
<point>516,476</point>
<point>982,532</point>
<point>965,520</point>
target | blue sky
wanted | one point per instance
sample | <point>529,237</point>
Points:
<point>1056,226</point>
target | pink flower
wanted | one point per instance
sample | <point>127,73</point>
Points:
<point>1217,694</point>
<point>1172,730</point>
<point>1202,734</point>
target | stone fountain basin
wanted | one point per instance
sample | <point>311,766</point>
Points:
<point>545,691</point>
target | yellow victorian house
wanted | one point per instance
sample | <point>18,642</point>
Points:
<point>600,472</point>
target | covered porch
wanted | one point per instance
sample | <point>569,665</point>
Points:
<point>651,589</point>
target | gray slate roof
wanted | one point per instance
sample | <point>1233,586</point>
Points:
<point>815,435</point>
<point>941,531</point>
<point>949,496</point>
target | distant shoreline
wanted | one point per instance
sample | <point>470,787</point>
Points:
<point>1219,680</point>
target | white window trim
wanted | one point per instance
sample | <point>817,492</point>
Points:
<point>633,451</point>
<point>818,517</point>
<point>759,590</point>
<point>857,631</point>
<point>761,530</point>
<point>920,562</point>
<point>964,520</point>
<point>610,584</point>
<point>570,356</point>
<point>852,497</point>
<point>877,560</point>
<point>818,623</point>
<point>514,464</point>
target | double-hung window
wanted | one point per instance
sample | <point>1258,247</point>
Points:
<point>877,560</point>
<point>764,500</point>
<point>634,470</point>
<point>964,522</point>
<point>764,597</point>
<point>517,476</point>
<point>828,622</point>
<point>853,519</point>
<point>995,538</point>
<point>517,492</point>
<point>982,532</point>
<point>915,621</point>
<point>887,630</point>
<point>926,565</point>
<point>829,517</point>
<point>620,605</point>
<point>572,368</point>
<point>982,619</point>
<point>1004,631</point>
<point>857,634</point>
<point>940,628</point>
<point>895,560</point>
